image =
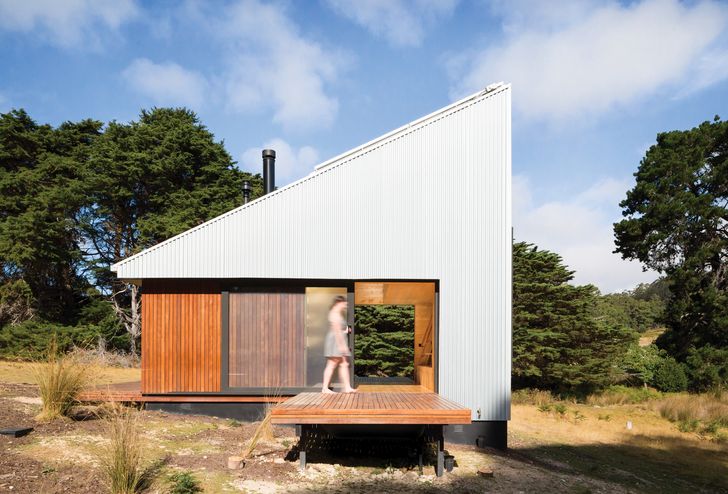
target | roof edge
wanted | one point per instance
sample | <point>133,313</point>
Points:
<point>489,90</point>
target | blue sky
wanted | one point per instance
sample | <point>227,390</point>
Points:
<point>593,83</point>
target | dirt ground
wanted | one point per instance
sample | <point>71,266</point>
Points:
<point>548,453</point>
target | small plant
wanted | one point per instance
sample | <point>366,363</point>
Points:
<point>606,417</point>
<point>544,408</point>
<point>578,416</point>
<point>60,379</point>
<point>561,409</point>
<point>121,459</point>
<point>688,425</point>
<point>183,483</point>
<point>234,423</point>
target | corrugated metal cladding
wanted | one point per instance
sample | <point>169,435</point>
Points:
<point>429,201</point>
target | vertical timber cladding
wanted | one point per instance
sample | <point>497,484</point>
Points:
<point>267,340</point>
<point>181,336</point>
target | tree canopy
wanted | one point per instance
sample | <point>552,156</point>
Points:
<point>76,198</point>
<point>676,222</point>
<point>559,342</point>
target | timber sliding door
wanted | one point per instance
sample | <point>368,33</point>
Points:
<point>266,340</point>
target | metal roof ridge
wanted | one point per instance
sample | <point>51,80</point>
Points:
<point>321,168</point>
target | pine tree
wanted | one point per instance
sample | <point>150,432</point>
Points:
<point>384,340</point>
<point>558,340</point>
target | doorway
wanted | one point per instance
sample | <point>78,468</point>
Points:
<point>411,305</point>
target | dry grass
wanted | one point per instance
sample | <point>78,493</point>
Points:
<point>22,373</point>
<point>121,459</point>
<point>60,379</point>
<point>101,357</point>
<point>710,409</point>
<point>532,397</point>
<point>623,395</point>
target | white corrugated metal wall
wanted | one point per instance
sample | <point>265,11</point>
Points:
<point>430,201</point>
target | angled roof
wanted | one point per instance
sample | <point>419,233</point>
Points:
<point>172,258</point>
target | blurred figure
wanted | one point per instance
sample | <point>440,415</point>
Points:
<point>336,349</point>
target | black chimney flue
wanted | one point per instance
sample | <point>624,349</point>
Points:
<point>246,192</point>
<point>269,171</point>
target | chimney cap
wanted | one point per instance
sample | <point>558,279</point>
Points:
<point>269,153</point>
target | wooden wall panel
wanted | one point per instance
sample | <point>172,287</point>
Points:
<point>267,340</point>
<point>181,326</point>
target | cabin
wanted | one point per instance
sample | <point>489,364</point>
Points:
<point>234,311</point>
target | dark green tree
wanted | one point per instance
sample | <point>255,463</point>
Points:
<point>41,191</point>
<point>559,342</point>
<point>676,222</point>
<point>384,343</point>
<point>147,181</point>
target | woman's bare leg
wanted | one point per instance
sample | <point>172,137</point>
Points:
<point>344,375</point>
<point>331,363</point>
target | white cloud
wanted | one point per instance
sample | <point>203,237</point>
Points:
<point>580,230</point>
<point>67,23</point>
<point>270,64</point>
<point>400,22</point>
<point>586,58</point>
<point>291,163</point>
<point>166,83</point>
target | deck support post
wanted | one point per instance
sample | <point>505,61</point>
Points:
<point>302,432</point>
<point>439,470</point>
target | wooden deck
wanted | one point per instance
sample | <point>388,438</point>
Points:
<point>131,393</point>
<point>376,408</point>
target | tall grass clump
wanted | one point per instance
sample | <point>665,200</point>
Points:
<point>60,379</point>
<point>121,460</point>
<point>537,397</point>
<point>623,395</point>
<point>687,408</point>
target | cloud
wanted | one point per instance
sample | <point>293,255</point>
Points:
<point>400,22</point>
<point>580,230</point>
<point>271,65</point>
<point>67,23</point>
<point>291,163</point>
<point>166,83</point>
<point>584,58</point>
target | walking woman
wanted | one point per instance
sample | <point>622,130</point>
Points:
<point>336,349</point>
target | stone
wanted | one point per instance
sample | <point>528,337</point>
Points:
<point>485,472</point>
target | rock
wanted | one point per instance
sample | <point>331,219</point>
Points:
<point>279,460</point>
<point>235,462</point>
<point>485,472</point>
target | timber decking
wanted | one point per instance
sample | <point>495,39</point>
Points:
<point>370,408</point>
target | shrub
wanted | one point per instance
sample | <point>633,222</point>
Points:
<point>60,379</point>
<point>121,459</point>
<point>670,376</point>
<point>621,395</point>
<point>707,368</point>
<point>640,362</point>
<point>183,483</point>
<point>705,408</point>
<point>532,397</point>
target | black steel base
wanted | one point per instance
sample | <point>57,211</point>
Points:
<point>481,433</point>
<point>311,436</point>
<point>248,412</point>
